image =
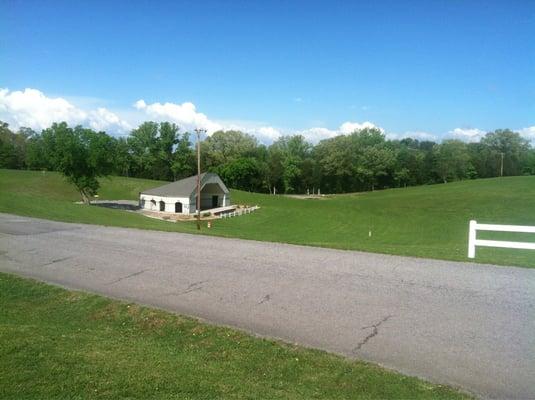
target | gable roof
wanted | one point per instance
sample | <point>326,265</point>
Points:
<point>186,187</point>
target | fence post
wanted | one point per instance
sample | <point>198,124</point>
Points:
<point>472,239</point>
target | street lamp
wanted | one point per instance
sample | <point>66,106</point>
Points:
<point>199,131</point>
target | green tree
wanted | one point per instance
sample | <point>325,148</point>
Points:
<point>143,142</point>
<point>483,159</point>
<point>166,141</point>
<point>509,146</point>
<point>293,151</point>
<point>123,157</point>
<point>452,160</point>
<point>225,146</point>
<point>371,157</point>
<point>242,173</point>
<point>13,146</point>
<point>81,155</point>
<point>529,167</point>
<point>184,159</point>
<point>274,169</point>
<point>374,163</point>
<point>410,162</point>
<point>7,149</point>
<point>35,157</point>
<point>335,160</point>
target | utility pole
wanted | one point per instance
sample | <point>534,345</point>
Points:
<point>501,166</point>
<point>198,131</point>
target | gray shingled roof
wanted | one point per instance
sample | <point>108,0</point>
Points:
<point>182,188</point>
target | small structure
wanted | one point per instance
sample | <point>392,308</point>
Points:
<point>180,197</point>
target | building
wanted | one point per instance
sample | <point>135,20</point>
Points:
<point>181,196</point>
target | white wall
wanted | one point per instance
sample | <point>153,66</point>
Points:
<point>169,203</point>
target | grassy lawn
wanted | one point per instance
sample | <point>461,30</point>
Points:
<point>65,344</point>
<point>426,221</point>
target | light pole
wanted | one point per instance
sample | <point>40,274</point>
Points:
<point>198,131</point>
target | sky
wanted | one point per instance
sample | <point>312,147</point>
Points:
<point>427,69</point>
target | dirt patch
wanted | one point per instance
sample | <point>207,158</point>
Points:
<point>308,196</point>
<point>109,312</point>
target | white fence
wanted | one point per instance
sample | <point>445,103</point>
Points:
<point>239,212</point>
<point>473,241</point>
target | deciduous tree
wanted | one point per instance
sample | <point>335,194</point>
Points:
<point>81,155</point>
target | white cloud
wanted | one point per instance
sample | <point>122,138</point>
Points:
<point>266,134</point>
<point>316,134</point>
<point>350,127</point>
<point>102,119</point>
<point>185,115</point>
<point>34,109</point>
<point>188,118</point>
<point>528,133</point>
<point>413,135</point>
<point>31,108</point>
<point>467,135</point>
<point>474,135</point>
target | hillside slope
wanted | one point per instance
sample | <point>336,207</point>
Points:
<point>426,221</point>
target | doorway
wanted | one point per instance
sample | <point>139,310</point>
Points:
<point>162,206</point>
<point>178,207</point>
<point>215,201</point>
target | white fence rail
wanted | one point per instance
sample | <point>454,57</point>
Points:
<point>473,241</point>
<point>239,212</point>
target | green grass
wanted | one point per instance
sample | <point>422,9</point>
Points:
<point>71,345</point>
<point>425,221</point>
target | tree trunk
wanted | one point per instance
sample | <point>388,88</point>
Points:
<point>85,198</point>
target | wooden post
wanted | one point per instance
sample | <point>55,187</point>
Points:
<point>199,131</point>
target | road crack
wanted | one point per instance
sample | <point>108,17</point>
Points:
<point>193,287</point>
<point>373,333</point>
<point>57,260</point>
<point>265,299</point>
<point>127,276</point>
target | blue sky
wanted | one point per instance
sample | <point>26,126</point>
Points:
<point>409,67</point>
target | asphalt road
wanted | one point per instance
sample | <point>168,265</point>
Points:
<point>467,325</point>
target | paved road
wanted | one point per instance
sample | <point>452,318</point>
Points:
<point>469,325</point>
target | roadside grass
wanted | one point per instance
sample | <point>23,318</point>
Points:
<point>426,221</point>
<point>66,344</point>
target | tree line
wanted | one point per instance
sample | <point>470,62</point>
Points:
<point>363,160</point>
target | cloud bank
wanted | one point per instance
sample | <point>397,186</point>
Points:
<point>184,115</point>
<point>317,134</point>
<point>528,133</point>
<point>32,108</point>
<point>419,135</point>
<point>467,135</point>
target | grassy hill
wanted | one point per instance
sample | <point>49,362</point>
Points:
<point>426,221</point>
